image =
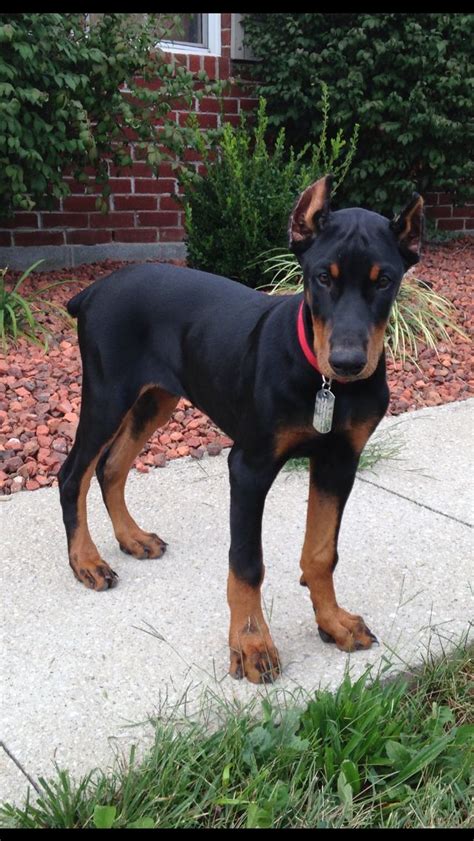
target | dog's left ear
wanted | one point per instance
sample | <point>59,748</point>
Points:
<point>408,229</point>
<point>310,214</point>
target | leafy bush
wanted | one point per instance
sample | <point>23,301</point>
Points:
<point>406,77</point>
<point>72,96</point>
<point>240,207</point>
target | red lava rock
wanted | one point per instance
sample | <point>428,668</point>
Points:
<point>198,452</point>
<point>11,465</point>
<point>13,444</point>
<point>42,430</point>
<point>183,451</point>
<point>214,449</point>
<point>193,441</point>
<point>44,441</point>
<point>32,485</point>
<point>159,460</point>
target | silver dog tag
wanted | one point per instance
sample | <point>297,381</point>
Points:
<point>324,408</point>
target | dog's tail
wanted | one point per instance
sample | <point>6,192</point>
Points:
<point>74,305</point>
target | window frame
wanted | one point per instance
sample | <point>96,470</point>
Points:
<point>213,22</point>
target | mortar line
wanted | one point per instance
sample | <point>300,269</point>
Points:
<point>414,501</point>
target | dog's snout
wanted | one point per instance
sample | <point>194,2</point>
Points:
<point>347,362</point>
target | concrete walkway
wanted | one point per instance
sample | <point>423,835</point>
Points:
<point>78,667</point>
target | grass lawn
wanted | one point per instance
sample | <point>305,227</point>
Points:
<point>377,753</point>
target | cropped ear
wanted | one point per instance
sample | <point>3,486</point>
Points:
<point>408,228</point>
<point>310,214</point>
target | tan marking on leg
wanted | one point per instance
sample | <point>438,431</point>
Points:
<point>317,562</point>
<point>359,435</point>
<point>131,537</point>
<point>252,652</point>
<point>84,558</point>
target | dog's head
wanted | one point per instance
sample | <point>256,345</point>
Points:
<point>353,261</point>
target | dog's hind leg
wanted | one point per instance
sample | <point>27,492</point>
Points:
<point>152,409</point>
<point>95,432</point>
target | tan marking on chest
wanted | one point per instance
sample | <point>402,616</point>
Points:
<point>292,437</point>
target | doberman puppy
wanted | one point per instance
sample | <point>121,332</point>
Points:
<point>270,371</point>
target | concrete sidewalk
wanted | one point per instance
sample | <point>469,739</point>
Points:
<point>78,667</point>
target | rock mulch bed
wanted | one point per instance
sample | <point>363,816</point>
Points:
<point>40,392</point>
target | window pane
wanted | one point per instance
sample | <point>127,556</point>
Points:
<point>190,30</point>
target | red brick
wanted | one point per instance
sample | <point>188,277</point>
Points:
<point>80,203</point>
<point>231,106</point>
<point>171,235</point>
<point>431,198</point>
<point>247,104</point>
<point>210,66</point>
<point>445,198</point>
<point>440,212</point>
<point>225,38</point>
<point>209,105</point>
<point>88,237</point>
<point>237,91</point>
<point>120,185</point>
<point>161,220</point>
<point>76,187</point>
<point>223,65</point>
<point>111,220</point>
<point>207,120</point>
<point>169,203</point>
<point>226,20</point>
<point>21,220</point>
<point>469,224</point>
<point>5,239</point>
<point>154,185</point>
<point>134,202</point>
<point>190,155</point>
<point>134,235</point>
<point>451,224</point>
<point>234,119</point>
<point>135,169</point>
<point>466,212</point>
<point>65,220</point>
<point>39,238</point>
<point>195,63</point>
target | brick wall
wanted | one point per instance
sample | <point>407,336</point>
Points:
<point>446,216</point>
<point>141,208</point>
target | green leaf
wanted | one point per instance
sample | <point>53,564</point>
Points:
<point>104,817</point>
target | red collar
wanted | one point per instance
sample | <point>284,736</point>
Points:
<point>304,341</point>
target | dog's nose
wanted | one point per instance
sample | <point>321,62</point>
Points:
<point>347,362</point>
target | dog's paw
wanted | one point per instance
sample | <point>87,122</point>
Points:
<point>257,660</point>
<point>142,545</point>
<point>348,631</point>
<point>94,573</point>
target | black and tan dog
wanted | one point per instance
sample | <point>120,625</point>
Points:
<point>261,368</point>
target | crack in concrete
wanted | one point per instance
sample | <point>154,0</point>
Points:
<point>414,501</point>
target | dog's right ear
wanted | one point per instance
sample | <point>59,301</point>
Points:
<point>310,214</point>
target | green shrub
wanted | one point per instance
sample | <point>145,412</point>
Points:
<point>72,97</point>
<point>241,206</point>
<point>406,77</point>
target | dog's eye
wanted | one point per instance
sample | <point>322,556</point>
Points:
<point>324,279</point>
<point>383,282</point>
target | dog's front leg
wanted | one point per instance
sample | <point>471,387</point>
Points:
<point>252,652</point>
<point>331,479</point>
